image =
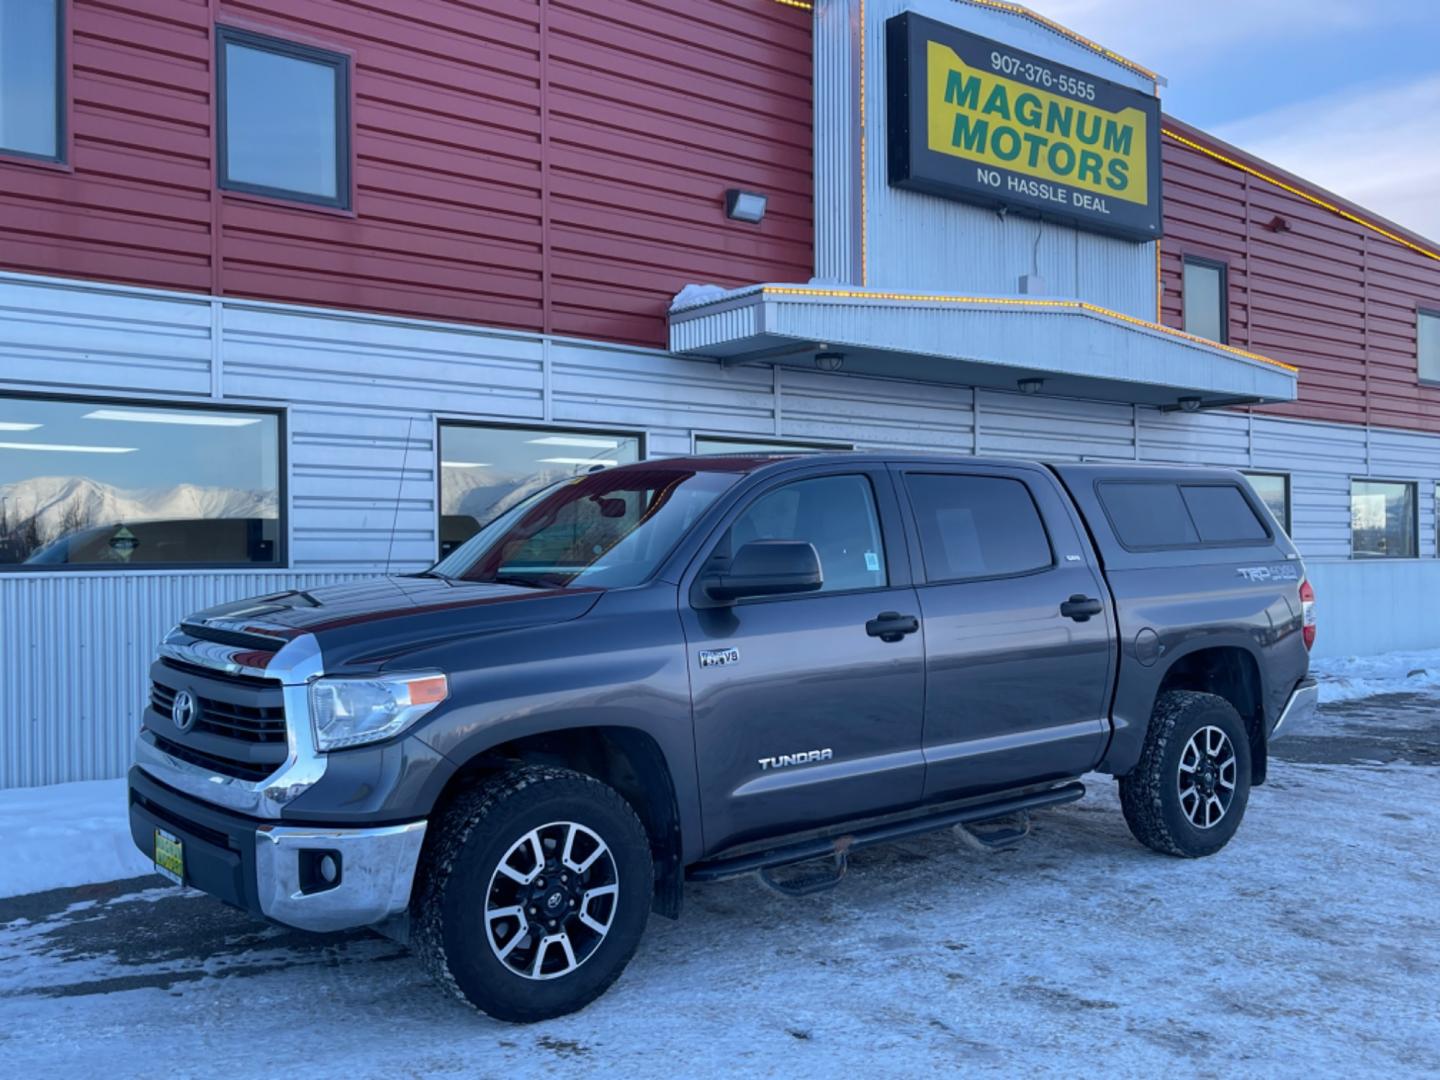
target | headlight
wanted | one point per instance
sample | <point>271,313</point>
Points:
<point>348,712</point>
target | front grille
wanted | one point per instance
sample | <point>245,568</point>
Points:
<point>239,725</point>
<point>241,770</point>
<point>247,723</point>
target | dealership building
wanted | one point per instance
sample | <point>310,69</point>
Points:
<point>296,293</point>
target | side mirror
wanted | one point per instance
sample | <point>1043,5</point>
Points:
<point>767,568</point>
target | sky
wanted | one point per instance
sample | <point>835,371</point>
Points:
<point>1345,93</point>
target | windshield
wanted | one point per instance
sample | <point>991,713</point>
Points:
<point>602,530</point>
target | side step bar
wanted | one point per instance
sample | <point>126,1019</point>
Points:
<point>820,847</point>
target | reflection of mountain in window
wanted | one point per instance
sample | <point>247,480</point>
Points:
<point>121,485</point>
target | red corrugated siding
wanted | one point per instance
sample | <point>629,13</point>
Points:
<point>634,117</point>
<point>1329,295</point>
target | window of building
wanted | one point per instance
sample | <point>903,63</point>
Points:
<point>1274,491</point>
<point>1383,521</point>
<point>32,114</point>
<point>119,484</point>
<point>486,470</point>
<point>716,444</point>
<point>977,526</point>
<point>836,514</point>
<point>284,119</point>
<point>1427,332</point>
<point>1204,299</point>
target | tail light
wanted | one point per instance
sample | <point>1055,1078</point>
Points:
<point>1307,613</point>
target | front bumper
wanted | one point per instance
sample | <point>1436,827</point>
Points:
<point>269,869</point>
<point>1304,701</point>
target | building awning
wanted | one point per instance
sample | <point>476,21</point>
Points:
<point>1078,349</point>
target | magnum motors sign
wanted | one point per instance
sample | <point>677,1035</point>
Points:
<point>973,119</point>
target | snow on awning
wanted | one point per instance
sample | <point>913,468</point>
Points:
<point>1077,349</point>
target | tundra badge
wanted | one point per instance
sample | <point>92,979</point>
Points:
<point>805,757</point>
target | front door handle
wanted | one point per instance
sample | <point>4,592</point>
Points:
<point>1080,607</point>
<point>892,626</point>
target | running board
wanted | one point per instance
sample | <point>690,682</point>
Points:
<point>824,846</point>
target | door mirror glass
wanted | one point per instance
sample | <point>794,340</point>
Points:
<point>767,568</point>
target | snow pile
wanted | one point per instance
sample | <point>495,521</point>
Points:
<point>1351,677</point>
<point>64,835</point>
<point>693,295</point>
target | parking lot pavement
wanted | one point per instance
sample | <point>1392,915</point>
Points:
<point>1307,944</point>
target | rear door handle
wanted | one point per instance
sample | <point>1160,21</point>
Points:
<point>1080,607</point>
<point>892,626</point>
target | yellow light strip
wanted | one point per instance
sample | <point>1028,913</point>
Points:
<point>1293,190</point>
<point>801,4</point>
<point>1065,31</point>
<point>1066,305</point>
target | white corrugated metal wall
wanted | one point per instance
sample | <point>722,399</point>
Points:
<point>363,395</point>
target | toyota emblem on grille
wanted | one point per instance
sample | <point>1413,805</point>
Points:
<point>184,711</point>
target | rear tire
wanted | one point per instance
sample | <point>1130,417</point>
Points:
<point>535,895</point>
<point>1188,793</point>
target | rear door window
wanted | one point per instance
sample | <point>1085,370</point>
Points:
<point>977,526</point>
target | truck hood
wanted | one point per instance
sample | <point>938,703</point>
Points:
<point>362,624</point>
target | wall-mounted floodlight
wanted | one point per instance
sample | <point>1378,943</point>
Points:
<point>745,205</point>
<point>829,361</point>
<point>1030,386</point>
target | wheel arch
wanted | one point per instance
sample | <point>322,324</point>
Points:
<point>627,759</point>
<point>1232,672</point>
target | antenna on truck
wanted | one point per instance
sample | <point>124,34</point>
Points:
<point>399,490</point>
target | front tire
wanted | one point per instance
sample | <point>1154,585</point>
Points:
<point>535,895</point>
<point>1188,793</point>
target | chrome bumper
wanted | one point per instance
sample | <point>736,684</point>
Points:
<point>1304,701</point>
<point>377,870</point>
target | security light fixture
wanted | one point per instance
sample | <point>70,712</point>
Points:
<point>1030,386</point>
<point>1190,404</point>
<point>829,361</point>
<point>745,205</point>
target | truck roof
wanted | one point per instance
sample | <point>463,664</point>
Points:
<point>753,461</point>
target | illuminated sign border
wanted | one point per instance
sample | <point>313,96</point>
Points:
<point>914,166</point>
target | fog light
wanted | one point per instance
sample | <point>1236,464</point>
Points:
<point>319,870</point>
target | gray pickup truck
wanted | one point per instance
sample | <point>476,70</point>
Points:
<point>710,666</point>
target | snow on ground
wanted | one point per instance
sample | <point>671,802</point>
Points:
<point>1349,678</point>
<point>1308,944</point>
<point>66,834</point>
